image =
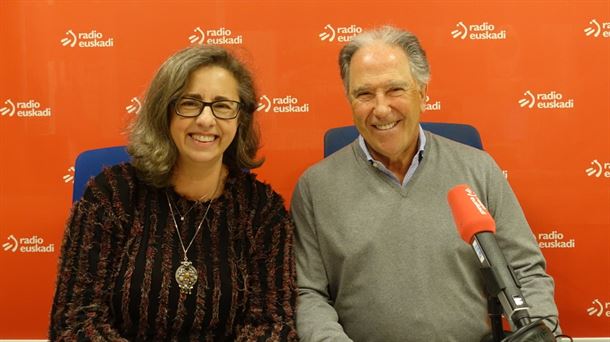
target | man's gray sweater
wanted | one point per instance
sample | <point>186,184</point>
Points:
<point>377,262</point>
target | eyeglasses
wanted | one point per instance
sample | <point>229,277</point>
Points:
<point>222,109</point>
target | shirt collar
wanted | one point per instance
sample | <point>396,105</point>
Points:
<point>419,154</point>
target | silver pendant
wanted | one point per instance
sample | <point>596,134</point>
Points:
<point>186,276</point>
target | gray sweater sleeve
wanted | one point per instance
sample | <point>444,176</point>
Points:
<point>317,320</point>
<point>519,245</point>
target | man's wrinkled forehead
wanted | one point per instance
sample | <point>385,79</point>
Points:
<point>378,59</point>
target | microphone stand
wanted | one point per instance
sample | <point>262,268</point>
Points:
<point>494,311</point>
<point>527,331</point>
<point>535,331</point>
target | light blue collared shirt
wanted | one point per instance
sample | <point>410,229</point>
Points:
<point>414,163</point>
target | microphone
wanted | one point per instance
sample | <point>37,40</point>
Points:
<point>477,228</point>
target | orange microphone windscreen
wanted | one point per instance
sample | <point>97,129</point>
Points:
<point>470,215</point>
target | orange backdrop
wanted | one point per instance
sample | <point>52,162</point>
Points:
<point>532,76</point>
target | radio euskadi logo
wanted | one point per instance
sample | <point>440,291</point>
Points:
<point>215,36</point>
<point>91,39</point>
<point>134,106</point>
<point>69,177</point>
<point>599,309</point>
<point>480,31</point>
<point>24,109</point>
<point>555,239</point>
<point>597,29</point>
<point>30,244</point>
<point>598,169</point>
<point>286,104</point>
<point>432,106</point>
<point>331,33</point>
<point>547,100</point>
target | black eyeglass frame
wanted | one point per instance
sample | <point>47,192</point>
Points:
<point>206,104</point>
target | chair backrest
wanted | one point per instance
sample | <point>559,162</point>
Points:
<point>336,138</point>
<point>90,163</point>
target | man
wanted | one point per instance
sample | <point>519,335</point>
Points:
<point>378,254</point>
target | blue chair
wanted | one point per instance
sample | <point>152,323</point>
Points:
<point>336,138</point>
<point>90,163</point>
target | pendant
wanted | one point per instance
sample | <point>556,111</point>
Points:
<point>186,276</point>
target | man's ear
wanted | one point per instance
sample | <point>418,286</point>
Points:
<point>423,92</point>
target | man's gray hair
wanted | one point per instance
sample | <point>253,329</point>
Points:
<point>405,40</point>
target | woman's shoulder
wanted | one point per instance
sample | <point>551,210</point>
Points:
<point>117,182</point>
<point>251,186</point>
<point>253,179</point>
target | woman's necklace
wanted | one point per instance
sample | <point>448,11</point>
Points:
<point>201,199</point>
<point>186,274</point>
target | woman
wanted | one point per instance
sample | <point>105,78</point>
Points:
<point>181,243</point>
